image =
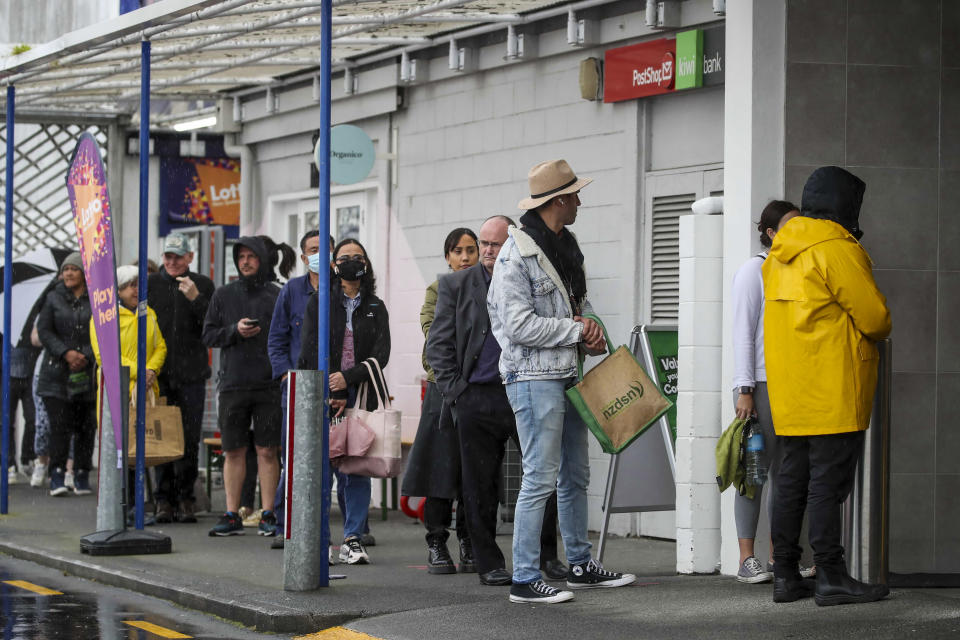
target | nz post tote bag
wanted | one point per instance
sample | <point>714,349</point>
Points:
<point>383,458</point>
<point>616,399</point>
<point>163,433</point>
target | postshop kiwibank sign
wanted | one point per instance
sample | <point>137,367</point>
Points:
<point>693,59</point>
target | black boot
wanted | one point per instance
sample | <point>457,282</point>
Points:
<point>835,586</point>
<point>438,559</point>
<point>466,557</point>
<point>792,589</point>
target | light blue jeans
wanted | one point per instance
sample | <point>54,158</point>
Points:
<point>553,440</point>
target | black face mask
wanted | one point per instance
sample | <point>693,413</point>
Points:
<point>352,270</point>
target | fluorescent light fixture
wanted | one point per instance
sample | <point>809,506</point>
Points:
<point>199,123</point>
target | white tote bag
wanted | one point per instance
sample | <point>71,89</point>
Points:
<point>383,458</point>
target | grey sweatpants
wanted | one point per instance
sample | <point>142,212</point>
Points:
<point>746,511</point>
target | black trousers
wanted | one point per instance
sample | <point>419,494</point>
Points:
<point>485,420</point>
<point>437,514</point>
<point>175,480</point>
<point>76,418</point>
<point>816,474</point>
<point>21,392</point>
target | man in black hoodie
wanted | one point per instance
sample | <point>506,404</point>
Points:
<point>238,322</point>
<point>180,299</point>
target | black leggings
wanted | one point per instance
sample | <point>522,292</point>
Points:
<point>71,418</point>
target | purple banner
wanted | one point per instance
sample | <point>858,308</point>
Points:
<point>87,188</point>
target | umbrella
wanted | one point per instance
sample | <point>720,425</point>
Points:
<point>32,273</point>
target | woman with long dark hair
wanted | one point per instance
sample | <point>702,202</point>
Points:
<point>359,329</point>
<point>433,469</point>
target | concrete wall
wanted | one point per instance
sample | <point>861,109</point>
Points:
<point>874,86</point>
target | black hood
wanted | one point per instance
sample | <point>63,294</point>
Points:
<point>265,274</point>
<point>832,193</point>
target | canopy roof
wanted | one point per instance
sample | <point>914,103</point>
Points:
<point>206,49</point>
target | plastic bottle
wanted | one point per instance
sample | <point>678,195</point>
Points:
<point>754,463</point>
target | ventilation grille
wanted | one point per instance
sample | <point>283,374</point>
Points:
<point>665,256</point>
<point>41,208</point>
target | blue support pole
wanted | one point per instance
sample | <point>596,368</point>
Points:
<point>323,286</point>
<point>7,303</point>
<point>142,279</point>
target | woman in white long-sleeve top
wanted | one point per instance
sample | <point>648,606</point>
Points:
<point>750,383</point>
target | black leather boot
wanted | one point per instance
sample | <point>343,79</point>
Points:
<point>438,558</point>
<point>792,589</point>
<point>835,586</point>
<point>466,557</point>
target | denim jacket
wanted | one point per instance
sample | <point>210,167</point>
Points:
<point>530,314</point>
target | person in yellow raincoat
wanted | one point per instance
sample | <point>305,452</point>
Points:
<point>127,290</point>
<point>824,315</point>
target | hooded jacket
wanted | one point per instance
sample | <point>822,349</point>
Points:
<point>823,317</point>
<point>244,363</point>
<point>181,323</point>
<point>63,324</point>
<point>156,346</point>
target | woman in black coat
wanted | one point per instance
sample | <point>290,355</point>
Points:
<point>66,381</point>
<point>359,329</point>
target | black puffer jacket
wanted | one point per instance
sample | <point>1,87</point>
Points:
<point>244,363</point>
<point>371,338</point>
<point>181,323</point>
<point>64,324</point>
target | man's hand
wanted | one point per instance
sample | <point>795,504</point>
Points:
<point>337,382</point>
<point>76,360</point>
<point>745,406</point>
<point>337,405</point>
<point>246,329</point>
<point>592,335</point>
<point>188,288</point>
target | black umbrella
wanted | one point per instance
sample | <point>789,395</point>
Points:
<point>32,274</point>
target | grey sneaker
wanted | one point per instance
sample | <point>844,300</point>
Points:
<point>752,572</point>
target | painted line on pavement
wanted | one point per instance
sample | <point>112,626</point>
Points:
<point>337,633</point>
<point>155,629</point>
<point>29,586</point>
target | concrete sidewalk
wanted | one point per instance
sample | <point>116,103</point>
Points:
<point>240,578</point>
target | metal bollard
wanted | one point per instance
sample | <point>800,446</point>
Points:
<point>109,505</point>
<point>307,492</point>
<point>866,513</point>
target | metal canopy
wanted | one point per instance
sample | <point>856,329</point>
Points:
<point>207,49</point>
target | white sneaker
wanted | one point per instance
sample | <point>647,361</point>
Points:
<point>331,560</point>
<point>352,552</point>
<point>39,475</point>
<point>12,475</point>
<point>68,480</point>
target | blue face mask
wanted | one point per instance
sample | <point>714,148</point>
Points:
<point>313,263</point>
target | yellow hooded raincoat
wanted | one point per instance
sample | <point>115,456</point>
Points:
<point>156,347</point>
<point>823,317</point>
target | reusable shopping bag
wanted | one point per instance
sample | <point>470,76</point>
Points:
<point>383,458</point>
<point>617,399</point>
<point>163,433</point>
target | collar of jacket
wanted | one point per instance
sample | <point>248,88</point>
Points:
<point>529,248</point>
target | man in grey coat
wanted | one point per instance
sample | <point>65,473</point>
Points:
<point>465,358</point>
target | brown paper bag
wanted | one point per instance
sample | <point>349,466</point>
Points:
<point>163,433</point>
<point>617,400</point>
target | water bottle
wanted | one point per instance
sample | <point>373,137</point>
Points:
<point>754,464</point>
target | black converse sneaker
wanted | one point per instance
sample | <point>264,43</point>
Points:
<point>592,575</point>
<point>538,591</point>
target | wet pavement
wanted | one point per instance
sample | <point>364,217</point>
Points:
<point>42,604</point>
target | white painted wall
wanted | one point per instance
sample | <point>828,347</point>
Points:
<point>20,23</point>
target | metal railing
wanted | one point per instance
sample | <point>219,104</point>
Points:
<point>866,513</point>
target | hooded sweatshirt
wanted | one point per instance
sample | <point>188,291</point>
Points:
<point>823,317</point>
<point>244,363</point>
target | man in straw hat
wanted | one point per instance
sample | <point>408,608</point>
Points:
<point>536,300</point>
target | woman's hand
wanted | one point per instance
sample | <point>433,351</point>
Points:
<point>337,405</point>
<point>76,360</point>
<point>745,406</point>
<point>337,382</point>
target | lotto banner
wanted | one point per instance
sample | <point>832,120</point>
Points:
<point>200,190</point>
<point>87,189</point>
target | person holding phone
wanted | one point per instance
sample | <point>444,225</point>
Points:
<point>238,322</point>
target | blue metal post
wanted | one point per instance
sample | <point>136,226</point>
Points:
<point>323,286</point>
<point>7,303</point>
<point>142,280</point>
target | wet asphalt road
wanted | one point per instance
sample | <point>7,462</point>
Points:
<point>87,610</point>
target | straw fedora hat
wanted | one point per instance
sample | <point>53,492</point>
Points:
<point>550,179</point>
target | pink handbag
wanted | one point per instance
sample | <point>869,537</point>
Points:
<point>383,457</point>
